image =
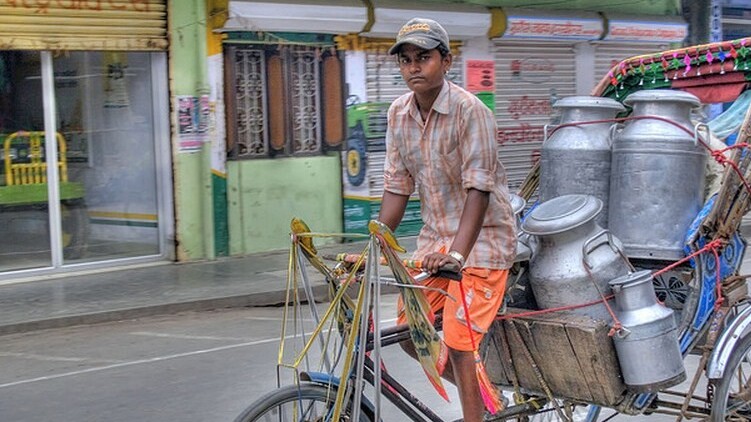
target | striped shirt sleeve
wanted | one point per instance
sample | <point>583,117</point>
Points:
<point>479,148</point>
<point>396,177</point>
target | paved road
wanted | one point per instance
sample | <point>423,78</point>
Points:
<point>191,367</point>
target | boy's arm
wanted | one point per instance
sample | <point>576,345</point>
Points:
<point>471,221</point>
<point>392,210</point>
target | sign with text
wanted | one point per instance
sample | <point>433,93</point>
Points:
<point>553,28</point>
<point>192,122</point>
<point>480,76</point>
<point>665,32</point>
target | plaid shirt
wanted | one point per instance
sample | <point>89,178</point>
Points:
<point>453,151</point>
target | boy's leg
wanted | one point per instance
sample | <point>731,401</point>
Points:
<point>483,292</point>
<point>463,365</point>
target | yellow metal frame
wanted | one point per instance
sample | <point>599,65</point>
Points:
<point>34,172</point>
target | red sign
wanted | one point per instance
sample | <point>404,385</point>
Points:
<point>480,76</point>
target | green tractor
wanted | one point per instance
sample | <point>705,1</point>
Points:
<point>23,186</point>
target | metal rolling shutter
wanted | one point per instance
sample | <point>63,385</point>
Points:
<point>84,25</point>
<point>530,76</point>
<point>385,83</point>
<point>608,55</point>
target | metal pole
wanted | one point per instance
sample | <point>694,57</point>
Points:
<point>312,303</point>
<point>51,159</point>
<point>377,333</point>
<point>363,335</point>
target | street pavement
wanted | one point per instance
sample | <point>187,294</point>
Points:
<point>202,366</point>
<point>155,289</point>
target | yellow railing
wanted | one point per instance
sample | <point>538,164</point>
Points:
<point>34,171</point>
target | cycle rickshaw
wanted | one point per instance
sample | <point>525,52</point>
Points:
<point>709,295</point>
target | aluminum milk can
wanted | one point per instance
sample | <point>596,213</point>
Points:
<point>576,159</point>
<point>647,346</point>
<point>575,257</point>
<point>657,176</point>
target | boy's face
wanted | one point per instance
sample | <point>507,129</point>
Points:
<point>423,70</point>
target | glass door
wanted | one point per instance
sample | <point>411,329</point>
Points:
<point>93,114</point>
<point>108,189</point>
<point>24,211</point>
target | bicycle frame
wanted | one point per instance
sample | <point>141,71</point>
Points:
<point>396,393</point>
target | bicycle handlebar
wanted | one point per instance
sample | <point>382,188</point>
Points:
<point>450,271</point>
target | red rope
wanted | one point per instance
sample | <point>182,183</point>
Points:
<point>466,315</point>
<point>545,311</point>
<point>713,245</point>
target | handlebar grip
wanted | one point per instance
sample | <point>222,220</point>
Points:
<point>450,271</point>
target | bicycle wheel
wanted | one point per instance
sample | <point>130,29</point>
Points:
<point>732,395</point>
<point>304,403</point>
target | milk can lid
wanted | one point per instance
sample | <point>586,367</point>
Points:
<point>561,213</point>
<point>631,278</point>
<point>654,95</point>
<point>588,101</point>
<point>517,203</point>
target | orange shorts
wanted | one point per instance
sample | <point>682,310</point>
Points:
<point>483,289</point>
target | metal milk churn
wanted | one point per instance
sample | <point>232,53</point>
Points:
<point>575,257</point>
<point>647,346</point>
<point>576,159</point>
<point>657,176</point>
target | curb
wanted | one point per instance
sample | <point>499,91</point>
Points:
<point>270,298</point>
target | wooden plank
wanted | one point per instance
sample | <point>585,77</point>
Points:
<point>558,360</point>
<point>522,366</point>
<point>575,356</point>
<point>595,353</point>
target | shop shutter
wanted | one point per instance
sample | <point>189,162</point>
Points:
<point>608,55</point>
<point>385,83</point>
<point>84,25</point>
<point>530,77</point>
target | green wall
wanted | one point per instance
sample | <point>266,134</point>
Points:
<point>264,195</point>
<point>192,170</point>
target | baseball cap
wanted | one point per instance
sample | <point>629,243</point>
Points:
<point>424,33</point>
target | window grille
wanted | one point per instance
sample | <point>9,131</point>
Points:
<point>276,106</point>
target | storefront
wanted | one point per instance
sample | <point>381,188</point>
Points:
<point>92,76</point>
<point>285,105</point>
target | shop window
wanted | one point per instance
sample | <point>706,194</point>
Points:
<point>283,101</point>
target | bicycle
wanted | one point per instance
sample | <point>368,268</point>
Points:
<point>317,395</point>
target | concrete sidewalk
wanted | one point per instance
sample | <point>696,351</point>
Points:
<point>254,280</point>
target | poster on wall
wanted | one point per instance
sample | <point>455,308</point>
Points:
<point>192,122</point>
<point>115,90</point>
<point>481,80</point>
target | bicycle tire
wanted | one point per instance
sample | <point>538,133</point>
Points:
<point>739,362</point>
<point>267,407</point>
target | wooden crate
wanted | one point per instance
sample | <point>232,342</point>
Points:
<point>573,352</point>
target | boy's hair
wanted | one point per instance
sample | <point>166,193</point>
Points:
<point>444,50</point>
